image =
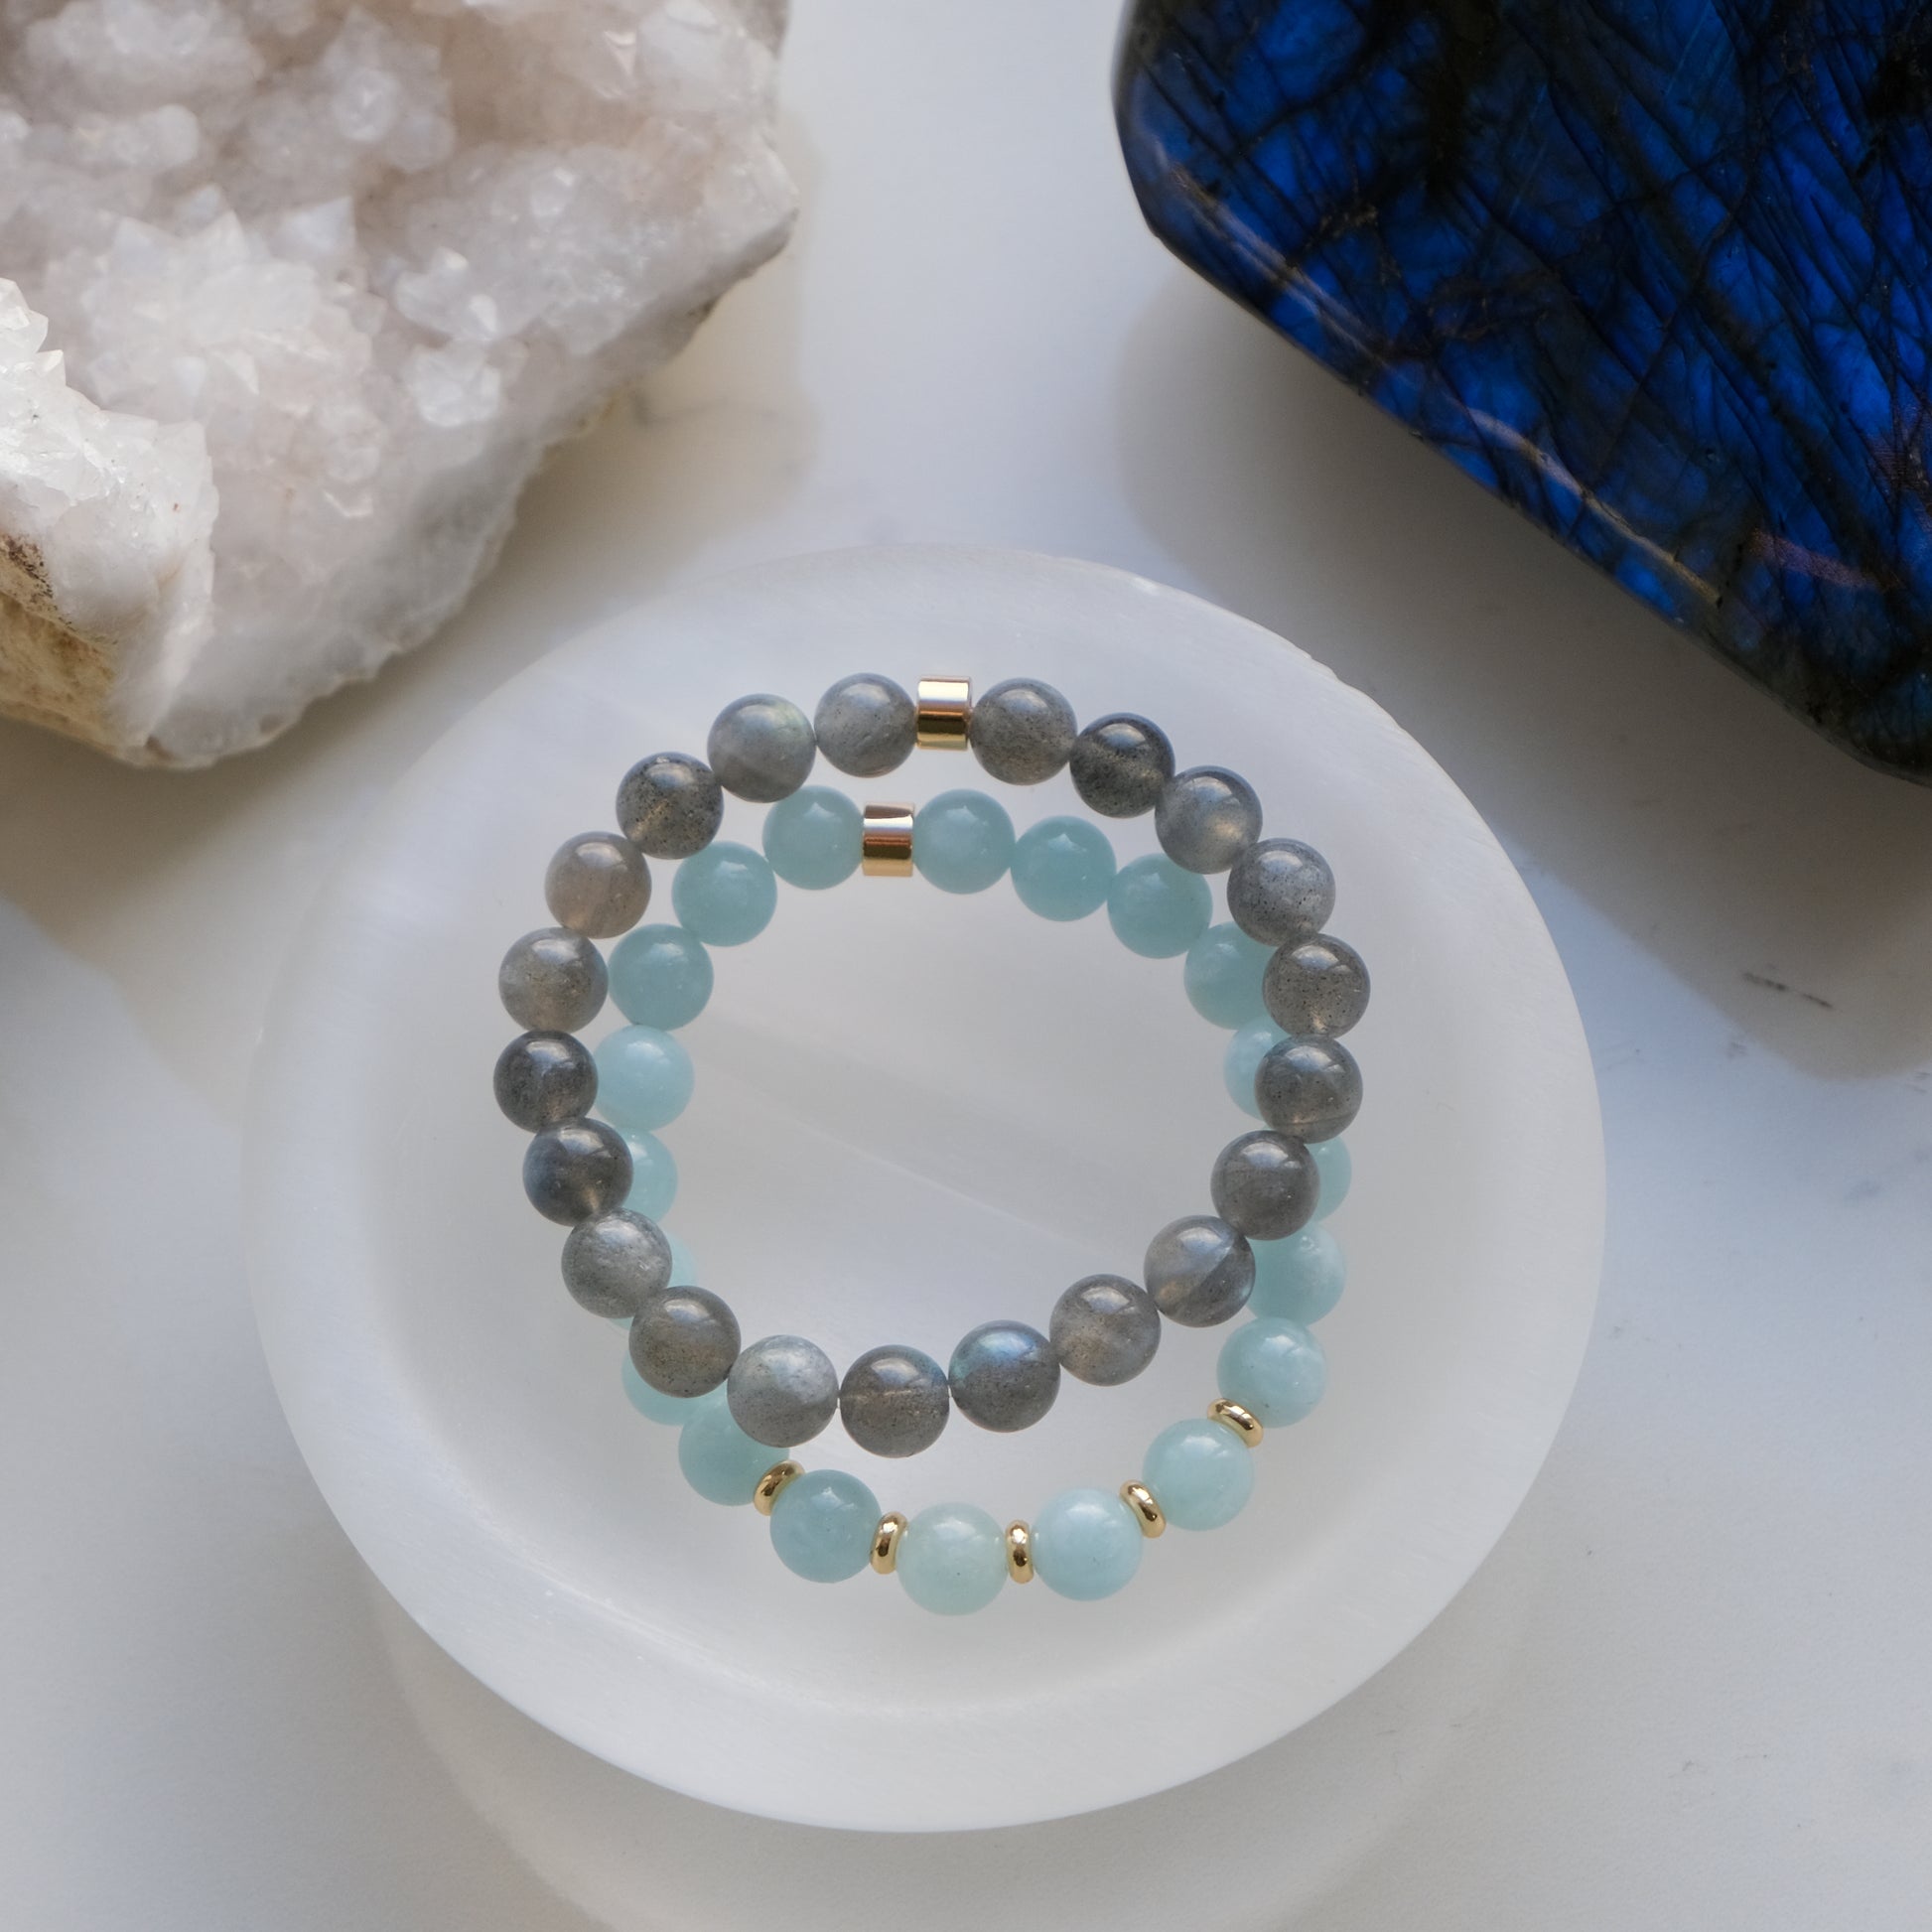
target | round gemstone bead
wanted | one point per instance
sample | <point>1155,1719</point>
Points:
<point>1207,817</point>
<point>653,1176</point>
<point>1318,985</point>
<point>542,1078</point>
<point>953,1559</point>
<point>1275,1369</point>
<point>726,893</point>
<point>1086,1544</point>
<point>1063,867</point>
<point>1307,1086</point>
<point>597,884</point>
<point>895,1401</point>
<point>660,976</point>
<point>552,981</point>
<point>783,1390</point>
<point>670,805</point>
<point>1022,731</point>
<point>1281,891</point>
<point>1004,1375</point>
<point>643,1078</point>
<point>614,1262</point>
<point>761,747</point>
<point>1265,1185</point>
<point>822,1524</point>
<point>653,1404</point>
<point>1222,976</point>
<point>1337,1167</point>
<point>684,1264</point>
<point>1157,908</point>
<point>1201,1475</point>
<point>720,1461</point>
<point>812,838</point>
<point>867,725</point>
<point>1242,1060</point>
<point>1299,1279</point>
<point>684,1341</point>
<point>962,841</point>
<point>575,1169</point>
<point>1199,1270</point>
<point>1119,764</point>
<point>1105,1330</point>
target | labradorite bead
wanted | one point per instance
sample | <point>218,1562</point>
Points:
<point>1004,1375</point>
<point>1201,1473</point>
<point>1265,1185</point>
<point>1337,1167</point>
<point>1086,1544</point>
<point>542,1078</point>
<point>783,1390</point>
<point>867,725</point>
<point>1309,1086</point>
<point>670,805</point>
<point>1105,1330</point>
<point>953,1559</point>
<point>653,1176</point>
<point>1022,731</point>
<point>643,1078</point>
<point>1120,765</point>
<point>822,1525</point>
<point>1062,869</point>
<point>720,1461</point>
<point>812,838</point>
<point>660,976</point>
<point>1221,975</point>
<point>614,1262</point>
<point>653,1404</point>
<point>761,747</point>
<point>1315,986</point>
<point>1199,1270</point>
<point>725,894</point>
<point>1243,1059</point>
<point>1281,891</point>
<point>552,981</point>
<point>962,841</point>
<point>1276,1370</point>
<point>1207,817</point>
<point>1299,1279</point>
<point>1157,908</point>
<point>895,1401</point>
<point>684,1340</point>
<point>597,884</point>
<point>575,1169</point>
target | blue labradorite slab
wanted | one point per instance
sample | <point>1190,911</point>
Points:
<point>1657,272</point>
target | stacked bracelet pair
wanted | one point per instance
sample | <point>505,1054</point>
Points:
<point>737,1404</point>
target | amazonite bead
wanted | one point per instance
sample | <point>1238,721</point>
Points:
<point>962,841</point>
<point>684,1264</point>
<point>1062,869</point>
<point>822,1524</point>
<point>953,1559</point>
<point>1157,909</point>
<point>643,1079</point>
<point>1242,1060</point>
<point>812,838</point>
<point>1222,976</point>
<point>720,1461</point>
<point>725,894</point>
<point>660,976</point>
<point>1299,1279</point>
<point>1086,1544</point>
<point>1337,1167</point>
<point>1201,1473</point>
<point>653,1176</point>
<point>1275,1369</point>
<point>654,1404</point>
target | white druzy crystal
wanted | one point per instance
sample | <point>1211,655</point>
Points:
<point>323,284</point>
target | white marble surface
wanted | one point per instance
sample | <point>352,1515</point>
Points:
<point>1691,1687</point>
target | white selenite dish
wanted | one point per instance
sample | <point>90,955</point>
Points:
<point>915,1113</point>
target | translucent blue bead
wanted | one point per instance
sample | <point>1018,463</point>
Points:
<point>720,1461</point>
<point>1276,1370</point>
<point>1335,1166</point>
<point>962,841</point>
<point>684,1264</point>
<point>822,1525</point>
<point>1222,975</point>
<point>643,1079</point>
<point>1086,1544</point>
<point>812,838</point>
<point>725,894</point>
<point>1062,869</point>
<point>654,1403</point>
<point>653,1176</point>
<point>1201,1473</point>
<point>953,1559</point>
<point>1299,1279</point>
<point>660,976</point>
<point>1244,1055</point>
<point>1157,908</point>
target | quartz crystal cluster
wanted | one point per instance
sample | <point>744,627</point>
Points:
<point>296,296</point>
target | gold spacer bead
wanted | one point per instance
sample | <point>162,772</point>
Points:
<point>1140,1499</point>
<point>1020,1553</point>
<point>885,842</point>
<point>945,708</point>
<point>771,1483</point>
<point>1236,1418</point>
<point>885,1542</point>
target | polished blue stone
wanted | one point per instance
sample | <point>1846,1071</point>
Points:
<point>660,976</point>
<point>1657,272</point>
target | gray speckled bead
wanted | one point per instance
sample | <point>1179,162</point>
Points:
<point>1022,731</point>
<point>684,1341</point>
<point>1319,986</point>
<point>614,1262</point>
<point>552,981</point>
<point>1199,1270</point>
<point>1266,1185</point>
<point>597,884</point>
<point>1281,891</point>
<point>670,805</point>
<point>575,1169</point>
<point>782,1391</point>
<point>542,1078</point>
<point>1205,817</point>
<point>867,725</point>
<point>1120,765</point>
<point>1105,1330</point>
<point>1309,1086</point>
<point>761,747</point>
<point>894,1401</point>
<point>1005,1375</point>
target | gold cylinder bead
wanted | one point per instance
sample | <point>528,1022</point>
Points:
<point>885,842</point>
<point>1147,1512</point>
<point>885,1542</point>
<point>945,708</point>
<point>1020,1553</point>
<point>1236,1418</point>
<point>771,1483</point>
